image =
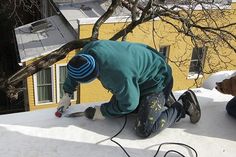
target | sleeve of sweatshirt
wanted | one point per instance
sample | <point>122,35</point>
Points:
<point>69,85</point>
<point>124,101</point>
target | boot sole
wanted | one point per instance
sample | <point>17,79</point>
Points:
<point>197,106</point>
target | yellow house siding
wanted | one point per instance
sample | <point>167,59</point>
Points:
<point>93,92</point>
<point>143,34</point>
<point>180,47</point>
<point>30,92</point>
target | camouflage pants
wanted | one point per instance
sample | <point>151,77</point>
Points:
<point>155,114</point>
<point>231,107</point>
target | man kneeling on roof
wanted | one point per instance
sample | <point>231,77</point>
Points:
<point>139,79</point>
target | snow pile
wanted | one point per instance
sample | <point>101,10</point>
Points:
<point>210,83</point>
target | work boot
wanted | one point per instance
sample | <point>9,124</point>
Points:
<point>191,106</point>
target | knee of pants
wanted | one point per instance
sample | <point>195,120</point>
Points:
<point>143,132</point>
<point>146,132</point>
<point>231,107</point>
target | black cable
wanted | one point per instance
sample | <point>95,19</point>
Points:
<point>174,143</point>
<point>118,134</point>
<point>166,143</point>
<point>174,152</point>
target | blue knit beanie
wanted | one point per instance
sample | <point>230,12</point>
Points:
<point>82,68</point>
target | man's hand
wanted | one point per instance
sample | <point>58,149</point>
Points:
<point>94,113</point>
<point>63,104</point>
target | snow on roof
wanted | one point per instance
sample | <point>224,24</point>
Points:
<point>47,35</point>
<point>40,134</point>
<point>86,11</point>
<point>210,82</point>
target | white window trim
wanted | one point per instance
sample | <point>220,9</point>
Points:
<point>36,91</point>
<point>57,83</point>
<point>92,20</point>
<point>194,76</point>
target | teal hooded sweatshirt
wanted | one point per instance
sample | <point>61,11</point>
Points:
<point>128,71</point>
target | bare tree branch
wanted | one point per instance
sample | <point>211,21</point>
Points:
<point>202,23</point>
<point>42,63</point>
<point>103,18</point>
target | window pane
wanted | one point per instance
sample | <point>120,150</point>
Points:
<point>197,60</point>
<point>45,94</point>
<point>44,77</point>
<point>164,50</point>
<point>63,74</point>
<point>44,86</point>
<point>195,66</point>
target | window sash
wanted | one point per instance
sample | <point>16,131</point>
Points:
<point>44,85</point>
<point>62,77</point>
<point>197,60</point>
<point>164,50</point>
<point>62,74</point>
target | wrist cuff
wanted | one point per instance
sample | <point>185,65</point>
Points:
<point>98,113</point>
<point>68,94</point>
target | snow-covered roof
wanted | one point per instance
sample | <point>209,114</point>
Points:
<point>86,10</point>
<point>48,34</point>
<point>40,134</point>
<point>210,82</point>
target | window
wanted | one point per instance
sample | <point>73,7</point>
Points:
<point>43,83</point>
<point>61,76</point>
<point>197,62</point>
<point>164,50</point>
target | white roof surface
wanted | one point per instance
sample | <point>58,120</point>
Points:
<point>88,11</point>
<point>41,134</point>
<point>31,45</point>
